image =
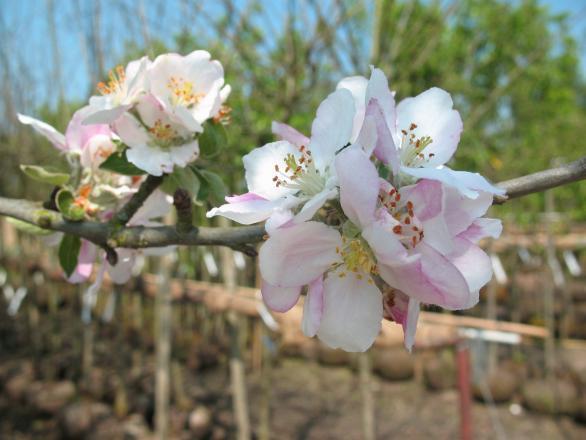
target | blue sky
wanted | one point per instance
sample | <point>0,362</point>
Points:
<point>24,28</point>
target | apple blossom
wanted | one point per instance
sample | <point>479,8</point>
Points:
<point>189,87</point>
<point>424,133</point>
<point>120,93</point>
<point>296,172</point>
<point>156,141</point>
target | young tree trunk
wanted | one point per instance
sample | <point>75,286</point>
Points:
<point>163,348</point>
<point>237,372</point>
<point>368,423</point>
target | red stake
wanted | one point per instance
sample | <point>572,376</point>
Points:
<point>463,361</point>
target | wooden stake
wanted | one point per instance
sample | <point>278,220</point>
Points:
<point>163,348</point>
<point>368,419</point>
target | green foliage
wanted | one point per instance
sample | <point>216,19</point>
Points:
<point>69,253</point>
<point>65,203</point>
<point>117,162</point>
<point>184,178</point>
<point>45,174</point>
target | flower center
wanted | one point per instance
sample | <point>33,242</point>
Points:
<point>182,92</point>
<point>299,173</point>
<point>356,258</point>
<point>116,79</point>
<point>164,134</point>
<point>408,228</point>
<point>412,147</point>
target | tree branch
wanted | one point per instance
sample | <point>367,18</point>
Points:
<point>239,237</point>
<point>543,180</point>
<point>147,187</point>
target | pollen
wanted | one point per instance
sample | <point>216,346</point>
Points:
<point>182,92</point>
<point>163,132</point>
<point>116,78</point>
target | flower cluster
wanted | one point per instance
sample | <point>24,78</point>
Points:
<point>364,215</point>
<point>150,114</point>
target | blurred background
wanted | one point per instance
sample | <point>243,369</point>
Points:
<point>517,73</point>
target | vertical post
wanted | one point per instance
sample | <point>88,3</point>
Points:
<point>163,348</point>
<point>364,371</point>
<point>237,373</point>
<point>264,418</point>
<point>548,294</point>
<point>463,362</point>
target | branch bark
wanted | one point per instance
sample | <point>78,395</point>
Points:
<point>240,237</point>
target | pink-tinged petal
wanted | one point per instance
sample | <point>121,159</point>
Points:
<point>427,197</point>
<point>108,116</point>
<point>288,133</point>
<point>385,244</point>
<point>85,263</point>
<point>385,150</point>
<point>122,271</point>
<point>352,312</point>
<point>482,228</point>
<point>53,136</point>
<point>356,85</point>
<point>359,185</point>
<point>78,135</point>
<point>404,311</point>
<point>246,197</point>
<point>433,114</point>
<point>450,287</point>
<point>472,262</point>
<point>280,218</point>
<point>460,211</point>
<point>468,184</point>
<point>279,299</point>
<point>314,204</point>
<point>247,212</point>
<point>332,127</point>
<point>261,166</point>
<point>297,255</point>
<point>131,131</point>
<point>367,138</point>
<point>378,88</point>
<point>313,307</point>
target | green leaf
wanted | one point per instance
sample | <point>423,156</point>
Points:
<point>184,178</point>
<point>118,163</point>
<point>212,186</point>
<point>45,174</point>
<point>68,253</point>
<point>64,201</point>
<point>27,227</point>
<point>212,140</point>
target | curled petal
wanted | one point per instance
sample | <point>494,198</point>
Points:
<point>52,135</point>
<point>313,307</point>
<point>288,133</point>
<point>279,299</point>
<point>297,255</point>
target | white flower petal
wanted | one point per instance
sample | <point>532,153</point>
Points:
<point>260,169</point>
<point>469,184</point>
<point>352,312</point>
<point>332,127</point>
<point>356,85</point>
<point>56,138</point>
